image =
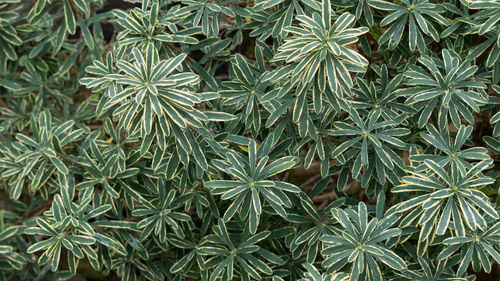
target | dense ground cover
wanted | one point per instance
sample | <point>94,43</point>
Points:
<point>241,140</point>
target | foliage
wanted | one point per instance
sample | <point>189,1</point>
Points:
<point>310,140</point>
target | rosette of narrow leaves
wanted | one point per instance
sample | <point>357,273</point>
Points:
<point>371,146</point>
<point>448,84</point>
<point>312,274</point>
<point>159,213</point>
<point>247,92</point>
<point>142,26</point>
<point>107,174</point>
<point>451,156</point>
<point>47,84</point>
<point>36,158</point>
<point>316,55</point>
<point>66,223</point>
<point>359,244</point>
<point>380,95</point>
<point>155,103</point>
<point>151,97</point>
<point>235,256</point>
<point>476,248</point>
<point>445,201</point>
<point>251,184</point>
<point>418,15</point>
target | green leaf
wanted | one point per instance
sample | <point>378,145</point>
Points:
<point>69,18</point>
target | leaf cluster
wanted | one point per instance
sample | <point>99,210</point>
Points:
<point>311,140</point>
